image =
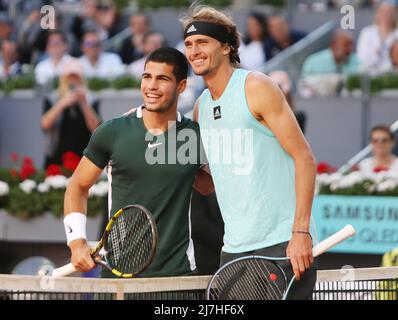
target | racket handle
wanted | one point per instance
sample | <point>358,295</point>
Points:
<point>333,240</point>
<point>64,270</point>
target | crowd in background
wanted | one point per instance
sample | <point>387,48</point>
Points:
<point>82,43</point>
<point>264,37</point>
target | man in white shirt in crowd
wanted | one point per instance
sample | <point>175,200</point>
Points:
<point>374,41</point>
<point>51,67</point>
<point>9,65</point>
<point>97,63</point>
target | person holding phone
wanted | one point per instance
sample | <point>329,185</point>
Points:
<point>70,115</point>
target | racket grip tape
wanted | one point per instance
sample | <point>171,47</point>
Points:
<point>333,240</point>
<point>64,270</point>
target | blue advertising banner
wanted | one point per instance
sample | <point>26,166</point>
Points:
<point>374,218</point>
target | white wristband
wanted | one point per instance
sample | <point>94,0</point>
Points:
<point>75,226</point>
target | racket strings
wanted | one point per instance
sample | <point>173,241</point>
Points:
<point>270,287</point>
<point>131,241</point>
<point>249,279</point>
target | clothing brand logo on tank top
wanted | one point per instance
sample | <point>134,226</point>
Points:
<point>217,112</point>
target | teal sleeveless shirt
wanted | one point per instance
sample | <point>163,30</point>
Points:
<point>253,175</point>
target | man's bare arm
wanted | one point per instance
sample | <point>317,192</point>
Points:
<point>269,106</point>
<point>76,196</point>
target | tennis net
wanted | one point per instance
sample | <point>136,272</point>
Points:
<point>344,284</point>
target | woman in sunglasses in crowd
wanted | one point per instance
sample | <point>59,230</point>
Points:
<point>382,141</point>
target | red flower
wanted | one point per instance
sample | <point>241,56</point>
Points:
<point>324,167</point>
<point>70,160</point>
<point>28,168</point>
<point>26,161</point>
<point>379,169</point>
<point>53,170</point>
<point>14,157</point>
<point>13,173</point>
<point>27,171</point>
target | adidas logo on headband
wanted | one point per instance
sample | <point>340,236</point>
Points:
<point>191,29</point>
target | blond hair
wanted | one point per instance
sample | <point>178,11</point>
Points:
<point>209,14</point>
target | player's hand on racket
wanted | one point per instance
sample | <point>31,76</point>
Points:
<point>81,255</point>
<point>300,252</point>
<point>128,243</point>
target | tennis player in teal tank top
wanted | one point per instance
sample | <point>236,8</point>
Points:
<point>262,167</point>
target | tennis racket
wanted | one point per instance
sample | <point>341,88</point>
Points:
<point>129,244</point>
<point>260,277</point>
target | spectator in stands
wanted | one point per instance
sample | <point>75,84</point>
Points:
<point>339,58</point>
<point>108,19</point>
<point>69,116</point>
<point>382,140</point>
<point>282,79</point>
<point>132,46</point>
<point>51,67</point>
<point>97,63</point>
<point>32,38</point>
<point>85,21</point>
<point>394,56</point>
<point>39,44</point>
<point>9,64</point>
<point>281,36</point>
<point>152,40</point>
<point>252,51</point>
<point>6,27</point>
<point>27,35</point>
<point>374,41</point>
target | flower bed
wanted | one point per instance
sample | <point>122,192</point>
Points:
<point>26,192</point>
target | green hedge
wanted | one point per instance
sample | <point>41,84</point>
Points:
<point>377,84</point>
<point>25,81</point>
<point>275,3</point>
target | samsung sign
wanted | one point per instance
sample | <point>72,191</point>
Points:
<point>374,218</point>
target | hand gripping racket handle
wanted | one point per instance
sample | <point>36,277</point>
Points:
<point>333,240</point>
<point>64,270</point>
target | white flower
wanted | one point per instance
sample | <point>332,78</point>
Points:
<point>322,178</point>
<point>57,182</point>
<point>334,177</point>
<point>334,186</point>
<point>387,185</point>
<point>350,180</point>
<point>100,189</point>
<point>4,189</point>
<point>43,187</point>
<point>27,186</point>
<point>380,176</point>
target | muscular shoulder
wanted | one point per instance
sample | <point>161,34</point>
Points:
<point>262,93</point>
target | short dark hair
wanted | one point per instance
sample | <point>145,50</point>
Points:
<point>262,21</point>
<point>383,128</point>
<point>172,57</point>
